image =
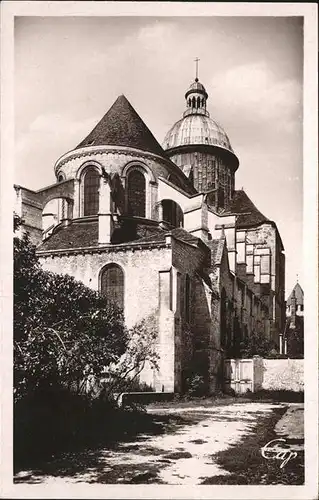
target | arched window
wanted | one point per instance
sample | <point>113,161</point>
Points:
<point>136,193</point>
<point>172,213</point>
<point>112,284</point>
<point>91,192</point>
<point>198,102</point>
<point>193,102</point>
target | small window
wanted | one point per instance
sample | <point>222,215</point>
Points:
<point>172,213</point>
<point>136,193</point>
<point>221,198</point>
<point>91,192</point>
<point>112,284</point>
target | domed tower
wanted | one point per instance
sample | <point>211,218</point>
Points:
<point>202,150</point>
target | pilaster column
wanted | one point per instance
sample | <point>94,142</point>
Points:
<point>105,212</point>
<point>77,207</point>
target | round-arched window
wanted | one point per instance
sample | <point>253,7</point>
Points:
<point>172,213</point>
<point>136,193</point>
<point>91,192</point>
<point>112,284</point>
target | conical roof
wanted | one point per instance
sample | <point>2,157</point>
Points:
<point>122,126</point>
<point>298,291</point>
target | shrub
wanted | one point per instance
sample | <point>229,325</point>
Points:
<point>63,330</point>
<point>196,385</point>
<point>256,344</point>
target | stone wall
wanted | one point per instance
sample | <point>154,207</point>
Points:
<point>283,374</point>
<point>141,268</point>
<point>264,374</point>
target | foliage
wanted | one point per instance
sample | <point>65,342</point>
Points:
<point>295,339</point>
<point>66,335</point>
<point>63,330</point>
<point>196,385</point>
<point>256,344</point>
<point>141,351</point>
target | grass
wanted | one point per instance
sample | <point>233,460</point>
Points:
<point>220,399</point>
<point>276,395</point>
<point>186,402</point>
<point>247,466</point>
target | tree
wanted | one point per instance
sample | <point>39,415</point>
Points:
<point>295,338</point>
<point>61,327</point>
<point>141,350</point>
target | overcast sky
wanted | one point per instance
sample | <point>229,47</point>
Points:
<point>69,71</point>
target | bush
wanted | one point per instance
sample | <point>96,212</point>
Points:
<point>256,345</point>
<point>196,386</point>
<point>65,336</point>
<point>63,330</point>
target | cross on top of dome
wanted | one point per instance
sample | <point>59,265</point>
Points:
<point>196,61</point>
<point>196,96</point>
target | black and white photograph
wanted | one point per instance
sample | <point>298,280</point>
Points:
<point>159,262</point>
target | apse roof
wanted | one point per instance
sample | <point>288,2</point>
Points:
<point>122,126</point>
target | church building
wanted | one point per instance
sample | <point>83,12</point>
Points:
<point>162,231</point>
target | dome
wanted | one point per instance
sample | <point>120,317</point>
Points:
<point>196,129</point>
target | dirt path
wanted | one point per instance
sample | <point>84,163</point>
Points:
<point>183,455</point>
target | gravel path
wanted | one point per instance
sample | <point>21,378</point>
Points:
<point>182,456</point>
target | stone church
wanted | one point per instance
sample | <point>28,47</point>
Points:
<point>162,230</point>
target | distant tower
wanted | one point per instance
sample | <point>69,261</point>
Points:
<point>201,148</point>
<point>294,331</point>
<point>295,304</point>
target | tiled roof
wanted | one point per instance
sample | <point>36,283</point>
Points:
<point>84,233</point>
<point>78,234</point>
<point>122,126</point>
<point>249,215</point>
<point>216,246</point>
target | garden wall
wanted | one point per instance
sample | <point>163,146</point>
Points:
<point>283,374</point>
<point>258,374</point>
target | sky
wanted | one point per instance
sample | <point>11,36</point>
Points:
<point>70,70</point>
